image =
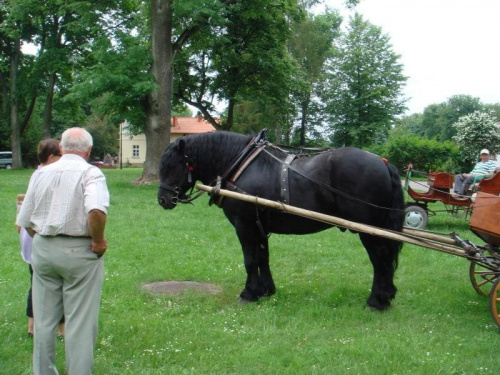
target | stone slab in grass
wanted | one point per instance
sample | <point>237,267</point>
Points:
<point>176,287</point>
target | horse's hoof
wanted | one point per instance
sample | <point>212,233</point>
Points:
<point>269,293</point>
<point>378,305</point>
<point>248,296</point>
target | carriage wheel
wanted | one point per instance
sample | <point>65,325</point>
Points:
<point>415,217</point>
<point>495,302</point>
<point>481,278</point>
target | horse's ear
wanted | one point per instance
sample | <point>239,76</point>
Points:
<point>182,145</point>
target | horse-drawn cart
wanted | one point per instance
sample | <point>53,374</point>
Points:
<point>485,223</point>
<point>439,186</point>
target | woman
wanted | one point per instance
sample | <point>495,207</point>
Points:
<point>48,152</point>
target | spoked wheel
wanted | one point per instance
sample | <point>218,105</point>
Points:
<point>495,301</point>
<point>482,278</point>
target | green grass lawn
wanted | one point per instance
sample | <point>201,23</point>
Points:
<point>316,323</point>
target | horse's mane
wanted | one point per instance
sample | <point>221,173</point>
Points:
<point>219,147</point>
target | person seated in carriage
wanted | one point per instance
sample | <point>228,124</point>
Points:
<point>483,167</point>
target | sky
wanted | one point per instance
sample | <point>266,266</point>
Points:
<point>447,47</point>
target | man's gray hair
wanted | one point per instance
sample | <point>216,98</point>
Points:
<point>76,139</point>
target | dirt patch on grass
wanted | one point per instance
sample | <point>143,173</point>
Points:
<point>177,287</point>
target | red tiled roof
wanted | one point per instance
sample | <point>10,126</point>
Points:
<point>190,125</point>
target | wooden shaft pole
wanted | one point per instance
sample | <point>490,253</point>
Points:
<point>430,236</point>
<point>334,220</point>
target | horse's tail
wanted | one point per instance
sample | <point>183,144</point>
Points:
<point>396,213</point>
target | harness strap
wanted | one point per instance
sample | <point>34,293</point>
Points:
<point>245,163</point>
<point>249,153</point>
<point>285,186</point>
<point>257,141</point>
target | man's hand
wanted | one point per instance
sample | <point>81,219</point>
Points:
<point>97,221</point>
<point>99,247</point>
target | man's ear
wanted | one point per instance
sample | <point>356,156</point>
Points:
<point>87,154</point>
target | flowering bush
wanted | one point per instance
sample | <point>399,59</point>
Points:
<point>475,132</point>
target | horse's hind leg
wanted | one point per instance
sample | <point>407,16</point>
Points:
<point>383,254</point>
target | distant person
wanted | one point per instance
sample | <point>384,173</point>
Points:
<point>108,160</point>
<point>483,167</point>
<point>48,152</point>
<point>65,210</point>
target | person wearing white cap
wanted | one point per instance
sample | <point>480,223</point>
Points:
<point>483,167</point>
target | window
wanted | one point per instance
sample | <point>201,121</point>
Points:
<point>135,151</point>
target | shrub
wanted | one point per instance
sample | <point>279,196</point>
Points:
<point>425,154</point>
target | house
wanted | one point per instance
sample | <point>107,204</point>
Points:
<point>496,156</point>
<point>133,147</point>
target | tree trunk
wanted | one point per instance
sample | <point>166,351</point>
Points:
<point>5,99</point>
<point>278,134</point>
<point>230,115</point>
<point>47,114</point>
<point>15,126</point>
<point>303,121</point>
<point>159,106</point>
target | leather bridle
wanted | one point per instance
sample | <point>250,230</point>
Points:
<point>176,190</point>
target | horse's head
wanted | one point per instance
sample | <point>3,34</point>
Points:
<point>175,175</point>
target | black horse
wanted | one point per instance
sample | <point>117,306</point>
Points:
<point>346,182</point>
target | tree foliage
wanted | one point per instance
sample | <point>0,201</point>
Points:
<point>364,86</point>
<point>438,119</point>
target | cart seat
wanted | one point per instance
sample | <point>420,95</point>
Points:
<point>440,180</point>
<point>490,185</point>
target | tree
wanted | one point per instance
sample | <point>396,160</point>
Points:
<point>311,46</point>
<point>60,30</point>
<point>173,24</point>
<point>16,28</point>
<point>232,61</point>
<point>363,86</point>
<point>408,125</point>
<point>144,96</point>
<point>475,132</point>
<point>438,119</point>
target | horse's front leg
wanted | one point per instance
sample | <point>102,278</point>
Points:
<point>259,281</point>
<point>266,278</point>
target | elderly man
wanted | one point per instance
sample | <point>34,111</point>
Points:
<point>482,168</point>
<point>65,211</point>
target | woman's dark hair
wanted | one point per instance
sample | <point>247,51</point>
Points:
<point>46,148</point>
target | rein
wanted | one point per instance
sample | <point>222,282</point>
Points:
<point>175,190</point>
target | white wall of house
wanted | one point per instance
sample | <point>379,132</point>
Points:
<point>134,148</point>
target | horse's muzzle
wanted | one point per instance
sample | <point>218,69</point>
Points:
<point>167,202</point>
